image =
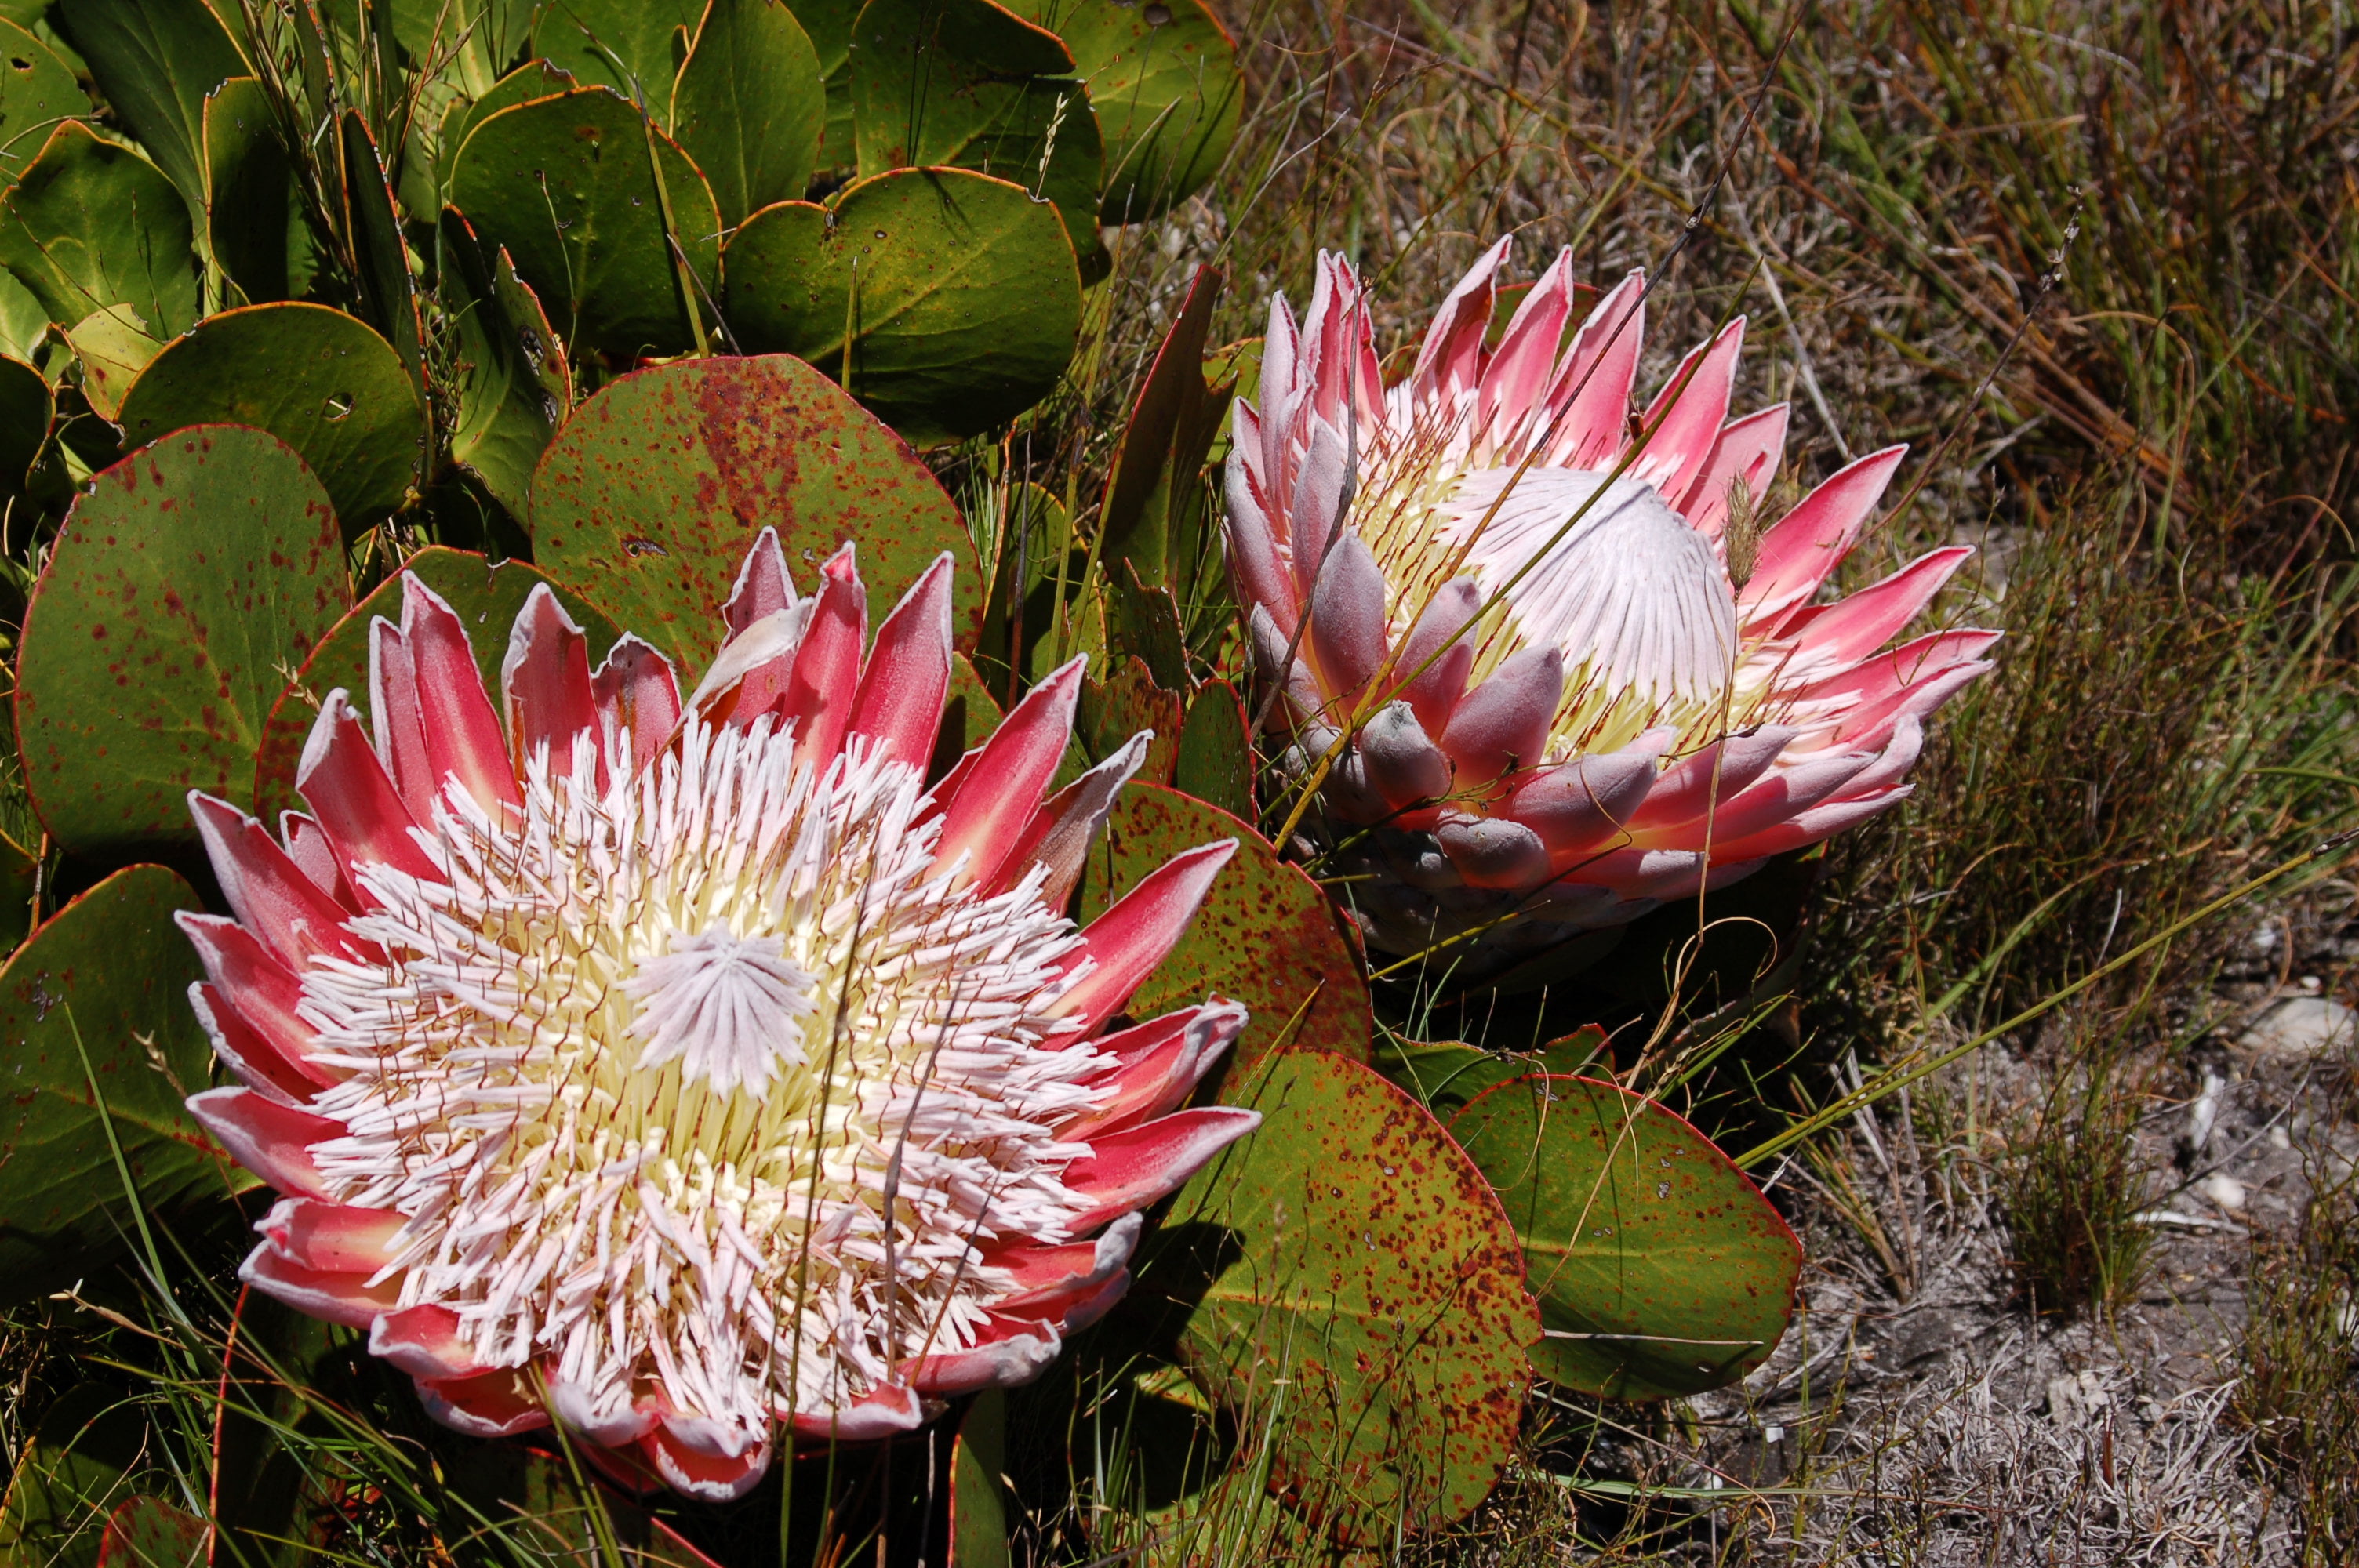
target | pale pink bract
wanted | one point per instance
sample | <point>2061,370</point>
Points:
<point>1628,725</point>
<point>678,1070</point>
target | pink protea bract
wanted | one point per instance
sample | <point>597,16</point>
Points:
<point>675,1070</point>
<point>1575,678</point>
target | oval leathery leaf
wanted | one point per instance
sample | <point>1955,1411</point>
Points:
<point>112,968</point>
<point>514,386</point>
<point>1660,1268</point>
<point>1265,935</point>
<point>112,346</point>
<point>1443,1075</point>
<point>1113,710</point>
<point>971,83</point>
<point>1163,83</point>
<point>90,224</point>
<point>248,184</point>
<point>533,79</point>
<point>24,324</point>
<point>185,585</point>
<point>19,877</point>
<point>149,1533</point>
<point>748,106</point>
<point>828,25</point>
<point>487,599</point>
<point>969,301</point>
<point>154,62</point>
<point>649,497</point>
<point>979,1510</point>
<point>37,92</point>
<point>567,185</point>
<point>388,295</point>
<point>316,378</point>
<point>1215,760</point>
<point>26,407</point>
<point>1345,1282</point>
<point>632,46</point>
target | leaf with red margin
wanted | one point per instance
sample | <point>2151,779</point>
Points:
<point>486,598</point>
<point>651,495</point>
<point>1265,935</point>
<point>1349,1287</point>
<point>186,583</point>
<point>1660,1268</point>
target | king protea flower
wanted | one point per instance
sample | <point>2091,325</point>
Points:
<point>1573,686</point>
<point>675,1070</point>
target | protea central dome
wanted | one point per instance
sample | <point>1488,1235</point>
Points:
<point>679,1069</point>
<point>1576,677</point>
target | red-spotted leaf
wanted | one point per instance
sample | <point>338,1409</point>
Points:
<point>651,495</point>
<point>1349,1287</point>
<point>486,598</point>
<point>1264,935</point>
<point>189,582</point>
<point>100,995</point>
<point>1660,1268</point>
<point>149,1533</point>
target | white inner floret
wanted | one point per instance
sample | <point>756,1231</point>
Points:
<point>1633,596</point>
<point>712,1077</point>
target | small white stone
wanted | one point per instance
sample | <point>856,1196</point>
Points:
<point>2278,1137</point>
<point>1773,1434</point>
<point>2205,1113</point>
<point>2224,1190</point>
<point>2300,1026</point>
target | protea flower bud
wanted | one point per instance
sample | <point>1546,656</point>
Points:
<point>1506,609</point>
<point>675,1070</point>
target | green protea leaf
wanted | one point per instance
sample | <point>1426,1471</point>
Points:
<point>748,106</point>
<point>514,385</point>
<point>37,92</point>
<point>1265,935</point>
<point>155,61</point>
<point>90,224</point>
<point>1345,1283</point>
<point>1163,79</point>
<point>649,497</point>
<point>184,588</point>
<point>1660,1268</point>
<point>248,185</point>
<point>971,83</point>
<point>318,379</point>
<point>567,185</point>
<point>958,292</point>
